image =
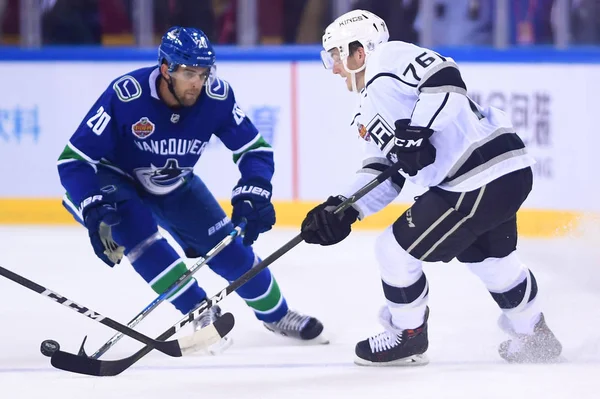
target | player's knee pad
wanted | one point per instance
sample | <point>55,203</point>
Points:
<point>509,282</point>
<point>499,274</point>
<point>159,264</point>
<point>153,258</point>
<point>136,226</point>
<point>233,261</point>
<point>396,266</point>
<point>142,247</point>
<point>404,283</point>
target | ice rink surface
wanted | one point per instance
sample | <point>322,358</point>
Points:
<point>339,284</point>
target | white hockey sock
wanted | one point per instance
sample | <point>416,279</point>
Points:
<point>513,287</point>
<point>404,283</point>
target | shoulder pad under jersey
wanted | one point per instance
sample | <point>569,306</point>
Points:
<point>127,88</point>
<point>218,89</point>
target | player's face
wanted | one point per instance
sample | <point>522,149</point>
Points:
<point>353,62</point>
<point>337,66</point>
<point>188,83</point>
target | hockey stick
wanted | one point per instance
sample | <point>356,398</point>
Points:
<point>169,291</point>
<point>173,348</point>
<point>79,364</point>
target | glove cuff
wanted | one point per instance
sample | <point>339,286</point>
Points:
<point>252,187</point>
<point>91,201</point>
<point>351,213</point>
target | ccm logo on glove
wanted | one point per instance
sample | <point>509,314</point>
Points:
<point>408,143</point>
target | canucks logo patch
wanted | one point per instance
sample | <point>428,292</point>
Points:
<point>142,128</point>
<point>162,180</point>
<point>127,88</point>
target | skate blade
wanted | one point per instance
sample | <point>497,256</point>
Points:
<point>559,359</point>
<point>411,361</point>
<point>215,349</point>
<point>320,339</point>
<point>555,360</point>
<point>220,347</point>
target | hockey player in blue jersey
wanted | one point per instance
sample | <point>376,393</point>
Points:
<point>128,169</point>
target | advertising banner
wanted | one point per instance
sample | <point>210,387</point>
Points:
<point>47,101</point>
<point>304,111</point>
<point>554,116</point>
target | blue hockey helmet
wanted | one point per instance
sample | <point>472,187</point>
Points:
<point>185,46</point>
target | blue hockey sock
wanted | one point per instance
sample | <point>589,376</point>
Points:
<point>262,293</point>
<point>270,306</point>
<point>158,263</point>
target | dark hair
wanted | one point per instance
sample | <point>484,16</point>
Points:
<point>355,45</point>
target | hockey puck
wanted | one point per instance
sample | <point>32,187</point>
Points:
<point>48,347</point>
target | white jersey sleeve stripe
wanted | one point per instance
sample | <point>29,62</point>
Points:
<point>439,110</point>
<point>444,89</point>
<point>436,69</point>
<point>389,75</point>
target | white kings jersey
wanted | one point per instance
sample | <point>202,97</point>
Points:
<point>474,145</point>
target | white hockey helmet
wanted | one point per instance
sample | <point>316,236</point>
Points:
<point>357,25</point>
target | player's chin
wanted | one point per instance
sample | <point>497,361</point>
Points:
<point>189,100</point>
<point>347,82</point>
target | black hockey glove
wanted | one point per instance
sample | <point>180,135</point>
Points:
<point>412,147</point>
<point>251,200</point>
<point>322,227</point>
<point>99,217</point>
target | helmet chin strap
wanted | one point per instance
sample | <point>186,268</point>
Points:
<point>172,90</point>
<point>353,73</point>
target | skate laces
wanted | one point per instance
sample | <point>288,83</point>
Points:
<point>292,321</point>
<point>384,341</point>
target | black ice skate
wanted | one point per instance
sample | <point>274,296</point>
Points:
<point>539,347</point>
<point>394,347</point>
<point>209,317</point>
<point>296,325</point>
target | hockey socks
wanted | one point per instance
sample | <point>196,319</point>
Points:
<point>158,263</point>
<point>271,305</point>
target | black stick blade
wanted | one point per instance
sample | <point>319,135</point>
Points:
<point>224,324</point>
<point>90,366</point>
<point>108,368</point>
<point>76,364</point>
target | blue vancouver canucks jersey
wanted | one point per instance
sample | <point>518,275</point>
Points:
<point>131,131</point>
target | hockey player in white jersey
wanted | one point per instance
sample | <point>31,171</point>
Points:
<point>414,109</point>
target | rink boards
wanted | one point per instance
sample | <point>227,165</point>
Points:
<point>305,113</point>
